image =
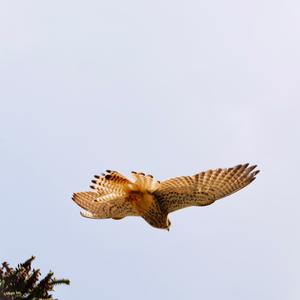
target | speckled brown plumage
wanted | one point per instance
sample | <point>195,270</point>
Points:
<point>116,197</point>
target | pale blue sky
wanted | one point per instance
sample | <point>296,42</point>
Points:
<point>164,87</point>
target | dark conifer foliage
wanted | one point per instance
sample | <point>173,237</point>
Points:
<point>23,282</point>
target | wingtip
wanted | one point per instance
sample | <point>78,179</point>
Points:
<point>73,196</point>
<point>253,173</point>
<point>248,166</point>
<point>256,172</point>
<point>251,170</point>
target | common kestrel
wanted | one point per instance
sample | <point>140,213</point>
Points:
<point>114,196</point>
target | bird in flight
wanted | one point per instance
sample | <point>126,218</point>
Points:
<point>114,196</point>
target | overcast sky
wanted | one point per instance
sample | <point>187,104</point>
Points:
<point>167,88</point>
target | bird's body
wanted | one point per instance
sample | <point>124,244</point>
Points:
<point>116,197</point>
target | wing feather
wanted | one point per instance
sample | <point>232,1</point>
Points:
<point>102,207</point>
<point>203,188</point>
<point>110,182</point>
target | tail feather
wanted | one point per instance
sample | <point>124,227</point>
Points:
<point>145,182</point>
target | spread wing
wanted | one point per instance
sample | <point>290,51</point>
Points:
<point>109,198</point>
<point>203,188</point>
<point>103,207</point>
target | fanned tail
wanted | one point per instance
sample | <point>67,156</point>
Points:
<point>144,183</point>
